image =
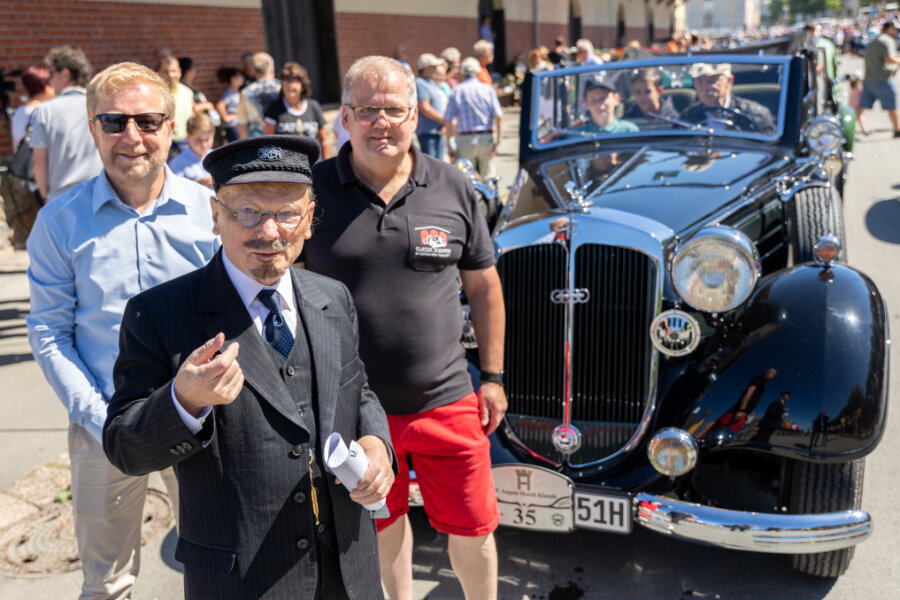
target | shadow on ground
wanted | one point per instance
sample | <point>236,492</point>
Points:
<point>883,220</point>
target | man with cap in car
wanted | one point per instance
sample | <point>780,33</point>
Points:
<point>601,100</point>
<point>237,374</point>
<point>716,108</point>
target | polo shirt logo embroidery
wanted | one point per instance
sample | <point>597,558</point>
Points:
<point>434,242</point>
<point>270,153</point>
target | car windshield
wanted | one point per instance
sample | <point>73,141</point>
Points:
<point>741,97</point>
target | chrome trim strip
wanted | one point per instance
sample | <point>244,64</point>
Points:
<point>756,532</point>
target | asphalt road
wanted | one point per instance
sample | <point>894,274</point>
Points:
<point>536,566</point>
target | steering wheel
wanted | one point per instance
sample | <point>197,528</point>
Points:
<point>738,120</point>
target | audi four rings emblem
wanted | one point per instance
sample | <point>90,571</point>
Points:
<point>570,296</point>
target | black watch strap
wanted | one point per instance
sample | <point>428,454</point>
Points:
<point>492,377</point>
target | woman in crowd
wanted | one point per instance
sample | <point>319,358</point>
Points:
<point>295,113</point>
<point>36,80</point>
<point>228,102</point>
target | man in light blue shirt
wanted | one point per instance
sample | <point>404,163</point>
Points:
<point>130,228</point>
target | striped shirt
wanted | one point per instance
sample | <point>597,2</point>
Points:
<point>474,105</point>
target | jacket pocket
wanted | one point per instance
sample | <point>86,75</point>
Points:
<point>218,561</point>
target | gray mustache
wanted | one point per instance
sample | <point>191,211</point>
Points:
<point>263,245</point>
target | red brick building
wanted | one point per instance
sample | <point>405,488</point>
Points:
<point>325,35</point>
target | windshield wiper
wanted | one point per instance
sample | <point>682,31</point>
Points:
<point>680,123</point>
<point>585,134</point>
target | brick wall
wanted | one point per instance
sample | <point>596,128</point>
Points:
<point>110,32</point>
<point>520,36</point>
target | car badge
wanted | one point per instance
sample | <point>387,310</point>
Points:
<point>570,296</point>
<point>675,333</point>
<point>270,153</point>
<point>567,439</point>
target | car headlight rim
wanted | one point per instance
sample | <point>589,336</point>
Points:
<point>716,269</point>
<point>824,136</point>
<point>673,452</point>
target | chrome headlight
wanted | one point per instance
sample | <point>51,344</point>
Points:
<point>672,451</point>
<point>824,136</point>
<point>716,270</point>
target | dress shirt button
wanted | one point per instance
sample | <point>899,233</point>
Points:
<point>302,544</point>
<point>290,370</point>
<point>147,257</point>
<point>297,450</point>
<point>299,497</point>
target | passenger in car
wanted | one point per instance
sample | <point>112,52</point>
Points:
<point>718,109</point>
<point>646,89</point>
<point>601,100</point>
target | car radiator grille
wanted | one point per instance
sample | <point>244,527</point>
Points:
<point>611,354</point>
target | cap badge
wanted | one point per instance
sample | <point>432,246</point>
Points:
<point>270,153</point>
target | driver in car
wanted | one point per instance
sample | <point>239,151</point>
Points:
<point>718,109</point>
<point>601,100</point>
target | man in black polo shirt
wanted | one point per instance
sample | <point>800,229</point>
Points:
<point>398,227</point>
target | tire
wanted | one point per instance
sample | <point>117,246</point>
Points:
<point>821,488</point>
<point>817,211</point>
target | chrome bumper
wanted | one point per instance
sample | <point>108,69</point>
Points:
<point>757,532</point>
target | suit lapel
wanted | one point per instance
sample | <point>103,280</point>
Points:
<point>224,311</point>
<point>324,345</point>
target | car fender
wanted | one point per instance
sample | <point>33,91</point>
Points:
<point>824,332</point>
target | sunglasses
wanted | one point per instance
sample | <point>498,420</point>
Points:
<point>146,122</point>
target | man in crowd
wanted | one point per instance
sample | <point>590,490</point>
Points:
<point>63,152</point>
<point>646,88</point>
<point>878,84</point>
<point>560,52</point>
<point>473,113</point>
<point>601,100</point>
<point>717,108</point>
<point>238,374</point>
<point>484,52</point>
<point>432,103</point>
<point>398,227</point>
<point>584,53</point>
<point>256,97</point>
<point>131,227</point>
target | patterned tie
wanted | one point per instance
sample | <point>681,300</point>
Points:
<point>275,331</point>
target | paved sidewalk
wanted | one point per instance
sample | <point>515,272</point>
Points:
<point>33,446</point>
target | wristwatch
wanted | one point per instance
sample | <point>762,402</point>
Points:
<point>492,377</point>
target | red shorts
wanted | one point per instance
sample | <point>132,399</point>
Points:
<point>452,459</point>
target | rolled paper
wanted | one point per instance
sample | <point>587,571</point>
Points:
<point>349,464</point>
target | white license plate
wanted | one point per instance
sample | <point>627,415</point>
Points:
<point>533,498</point>
<point>605,512</point>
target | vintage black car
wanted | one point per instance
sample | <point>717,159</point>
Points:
<point>686,347</point>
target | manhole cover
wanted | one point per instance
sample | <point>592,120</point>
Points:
<point>45,542</point>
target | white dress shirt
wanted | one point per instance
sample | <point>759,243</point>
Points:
<point>248,289</point>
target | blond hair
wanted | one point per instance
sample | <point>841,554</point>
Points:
<point>200,123</point>
<point>124,75</point>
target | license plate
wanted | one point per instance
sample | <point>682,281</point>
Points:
<point>605,512</point>
<point>533,498</point>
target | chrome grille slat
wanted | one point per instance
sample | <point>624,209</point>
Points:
<point>611,351</point>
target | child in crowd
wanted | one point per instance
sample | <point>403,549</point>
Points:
<point>189,162</point>
<point>853,99</point>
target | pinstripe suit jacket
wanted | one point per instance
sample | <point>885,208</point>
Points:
<point>244,495</point>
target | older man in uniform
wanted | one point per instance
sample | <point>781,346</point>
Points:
<point>237,374</point>
<point>399,228</point>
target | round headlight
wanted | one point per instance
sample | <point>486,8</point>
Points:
<point>716,270</point>
<point>672,451</point>
<point>824,136</point>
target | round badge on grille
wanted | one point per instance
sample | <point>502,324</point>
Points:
<point>566,438</point>
<point>675,333</point>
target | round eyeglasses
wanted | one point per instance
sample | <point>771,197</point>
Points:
<point>369,114</point>
<point>288,216</point>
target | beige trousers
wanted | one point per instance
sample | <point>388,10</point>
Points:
<point>477,147</point>
<point>108,507</point>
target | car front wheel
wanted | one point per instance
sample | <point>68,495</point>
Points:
<point>822,488</point>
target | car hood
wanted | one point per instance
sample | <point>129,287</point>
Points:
<point>674,186</point>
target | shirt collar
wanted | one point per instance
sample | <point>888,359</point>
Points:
<point>419,175</point>
<point>104,192</point>
<point>73,89</point>
<point>248,288</point>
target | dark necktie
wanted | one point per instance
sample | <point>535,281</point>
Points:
<point>275,331</point>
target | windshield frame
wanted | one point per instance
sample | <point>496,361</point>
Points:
<point>539,77</point>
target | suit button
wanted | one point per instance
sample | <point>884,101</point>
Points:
<point>187,446</point>
<point>302,544</point>
<point>290,371</point>
<point>321,528</point>
<point>174,451</point>
<point>297,450</point>
<point>299,497</point>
